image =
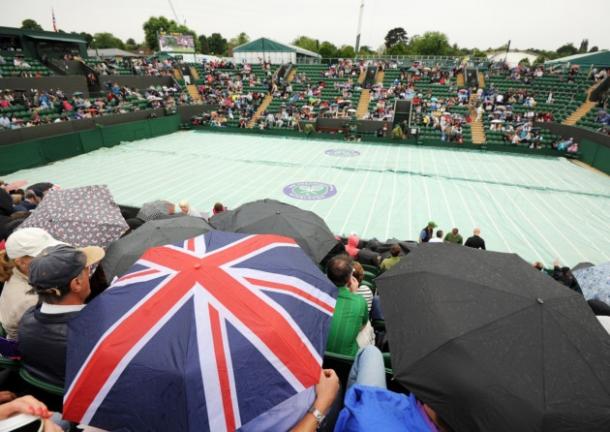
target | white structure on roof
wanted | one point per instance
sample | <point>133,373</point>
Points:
<point>268,50</point>
<point>513,58</point>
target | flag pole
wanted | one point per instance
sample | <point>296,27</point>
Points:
<point>359,27</point>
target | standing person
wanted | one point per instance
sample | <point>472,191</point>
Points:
<point>426,233</point>
<point>60,277</point>
<point>475,241</point>
<point>351,313</point>
<point>21,247</point>
<point>454,237</point>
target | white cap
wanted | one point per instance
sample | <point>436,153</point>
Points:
<point>29,242</point>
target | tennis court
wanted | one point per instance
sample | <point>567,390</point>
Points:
<point>540,208</point>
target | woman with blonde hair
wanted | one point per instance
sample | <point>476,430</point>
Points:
<point>21,247</point>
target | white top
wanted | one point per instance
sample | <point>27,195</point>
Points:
<point>14,301</point>
<point>435,240</point>
<point>53,309</point>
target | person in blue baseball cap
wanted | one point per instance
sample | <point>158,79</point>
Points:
<point>60,277</point>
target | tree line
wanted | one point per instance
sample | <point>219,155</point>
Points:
<point>396,42</point>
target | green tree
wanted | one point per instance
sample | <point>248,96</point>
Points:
<point>106,40</point>
<point>398,49</point>
<point>366,50</point>
<point>431,43</point>
<point>327,50</point>
<point>240,39</point>
<point>524,61</point>
<point>204,47</point>
<point>156,25</point>
<point>566,50</point>
<point>584,46</point>
<point>131,45</point>
<point>217,44</point>
<point>594,49</point>
<point>395,36</point>
<point>88,37</point>
<point>307,43</point>
<point>346,51</point>
<point>30,24</point>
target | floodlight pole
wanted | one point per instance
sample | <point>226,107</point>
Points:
<point>359,27</point>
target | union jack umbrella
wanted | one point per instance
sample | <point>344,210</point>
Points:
<point>207,334</point>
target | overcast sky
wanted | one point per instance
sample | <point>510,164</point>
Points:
<point>545,24</point>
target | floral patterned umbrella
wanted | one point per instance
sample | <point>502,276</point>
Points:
<point>595,282</point>
<point>83,216</point>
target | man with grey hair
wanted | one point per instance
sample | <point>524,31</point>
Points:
<point>475,241</point>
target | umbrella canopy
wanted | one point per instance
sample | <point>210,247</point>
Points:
<point>493,345</point>
<point>582,265</point>
<point>203,335</point>
<point>124,252</point>
<point>154,210</point>
<point>274,217</point>
<point>594,281</point>
<point>83,216</point>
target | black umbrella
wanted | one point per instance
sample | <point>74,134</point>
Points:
<point>274,217</point>
<point>123,253</point>
<point>493,345</point>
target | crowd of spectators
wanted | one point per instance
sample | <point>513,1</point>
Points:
<point>47,284</point>
<point>20,109</point>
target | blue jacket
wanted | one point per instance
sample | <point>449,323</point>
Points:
<point>376,409</point>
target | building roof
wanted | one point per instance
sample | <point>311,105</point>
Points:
<point>269,45</point>
<point>110,52</point>
<point>598,58</point>
<point>59,37</point>
<point>512,58</point>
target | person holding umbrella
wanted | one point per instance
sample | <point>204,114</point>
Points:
<point>369,405</point>
<point>351,311</point>
<point>60,277</point>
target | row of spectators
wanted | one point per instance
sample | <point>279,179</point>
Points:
<point>35,107</point>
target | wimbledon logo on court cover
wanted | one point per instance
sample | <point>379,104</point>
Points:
<point>310,190</point>
<point>342,152</point>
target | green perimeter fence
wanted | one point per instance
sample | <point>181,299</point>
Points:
<point>28,154</point>
<point>32,153</point>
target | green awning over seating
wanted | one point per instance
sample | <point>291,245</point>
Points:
<point>59,37</point>
<point>262,45</point>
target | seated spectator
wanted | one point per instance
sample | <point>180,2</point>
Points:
<point>391,261</point>
<point>454,237</point>
<point>564,276</point>
<point>21,247</point>
<point>186,209</point>
<point>30,202</point>
<point>363,290</point>
<point>438,238</point>
<point>476,241</point>
<point>351,312</point>
<point>370,406</point>
<point>218,208</point>
<point>60,277</point>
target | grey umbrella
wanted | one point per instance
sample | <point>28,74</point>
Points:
<point>274,217</point>
<point>82,216</point>
<point>155,210</point>
<point>121,254</point>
